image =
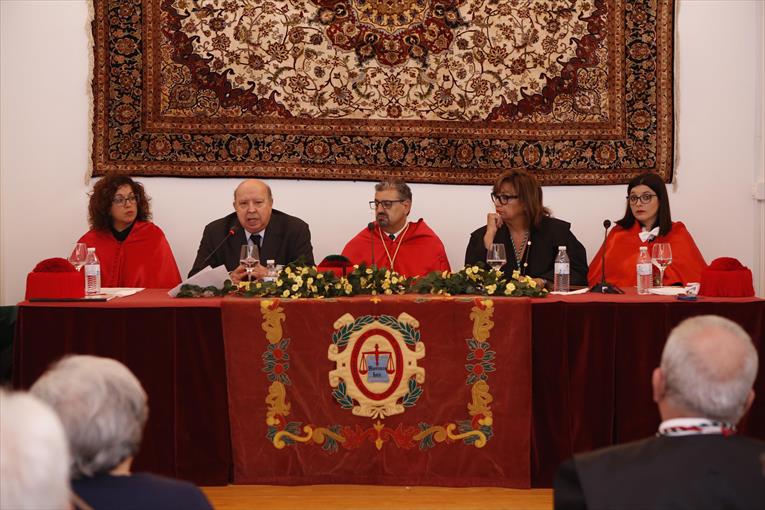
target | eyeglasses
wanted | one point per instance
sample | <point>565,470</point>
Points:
<point>120,200</point>
<point>502,199</point>
<point>644,198</point>
<point>386,204</point>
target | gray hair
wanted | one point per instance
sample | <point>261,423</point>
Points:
<point>710,364</point>
<point>404,192</point>
<point>34,456</point>
<point>103,409</point>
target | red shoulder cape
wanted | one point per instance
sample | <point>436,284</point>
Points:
<point>622,247</point>
<point>420,251</point>
<point>143,259</point>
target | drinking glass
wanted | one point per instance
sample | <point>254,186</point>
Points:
<point>249,257</point>
<point>496,256</point>
<point>661,256</point>
<point>78,255</point>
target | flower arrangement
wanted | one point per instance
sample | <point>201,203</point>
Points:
<point>298,280</point>
<point>477,279</point>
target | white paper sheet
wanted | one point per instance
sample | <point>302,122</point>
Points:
<point>205,278</point>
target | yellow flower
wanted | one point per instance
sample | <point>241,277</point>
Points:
<point>445,274</point>
<point>319,276</point>
<point>295,287</point>
<point>288,270</point>
<point>369,270</point>
<point>387,273</point>
<point>309,281</point>
<point>286,293</point>
<point>386,284</point>
<point>304,271</point>
<point>490,289</point>
<point>394,280</point>
<point>532,283</point>
<point>388,292</point>
<point>516,275</point>
<point>279,282</point>
<point>314,288</point>
<point>258,285</point>
<point>509,289</point>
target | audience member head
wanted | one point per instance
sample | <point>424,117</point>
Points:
<point>647,203</point>
<point>117,201</point>
<point>707,370</point>
<point>103,409</point>
<point>516,193</point>
<point>392,203</point>
<point>34,455</point>
<point>253,203</point>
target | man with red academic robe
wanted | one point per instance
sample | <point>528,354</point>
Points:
<point>408,248</point>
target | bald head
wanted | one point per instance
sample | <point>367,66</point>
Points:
<point>708,369</point>
<point>253,202</point>
<point>253,185</point>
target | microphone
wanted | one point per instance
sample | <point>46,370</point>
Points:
<point>231,232</point>
<point>604,287</point>
<point>371,228</point>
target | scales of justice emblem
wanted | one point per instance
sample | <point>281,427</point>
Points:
<point>376,363</point>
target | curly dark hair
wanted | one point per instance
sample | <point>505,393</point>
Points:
<point>99,207</point>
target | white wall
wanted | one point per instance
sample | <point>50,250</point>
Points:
<point>45,131</point>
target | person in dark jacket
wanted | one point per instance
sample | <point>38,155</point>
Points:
<point>696,460</point>
<point>530,234</point>
<point>279,236</point>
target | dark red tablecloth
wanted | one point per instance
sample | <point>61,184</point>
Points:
<point>592,357</point>
<point>174,347</point>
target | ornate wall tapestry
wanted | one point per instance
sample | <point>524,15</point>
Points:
<point>444,91</point>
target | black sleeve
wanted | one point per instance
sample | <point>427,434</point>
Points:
<point>476,251</point>
<point>206,246</point>
<point>577,255</point>
<point>567,491</point>
<point>300,244</point>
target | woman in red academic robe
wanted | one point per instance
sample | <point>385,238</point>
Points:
<point>133,251</point>
<point>647,221</point>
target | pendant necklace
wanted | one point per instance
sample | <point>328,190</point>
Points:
<point>400,242</point>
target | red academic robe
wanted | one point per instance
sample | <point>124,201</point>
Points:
<point>420,251</point>
<point>623,246</point>
<point>143,259</point>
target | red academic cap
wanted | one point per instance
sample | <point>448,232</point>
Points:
<point>726,277</point>
<point>55,278</point>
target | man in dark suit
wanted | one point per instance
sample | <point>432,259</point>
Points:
<point>696,461</point>
<point>279,236</point>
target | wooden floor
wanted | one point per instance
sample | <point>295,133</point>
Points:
<point>374,497</point>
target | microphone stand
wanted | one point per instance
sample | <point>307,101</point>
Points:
<point>604,287</point>
<point>371,228</point>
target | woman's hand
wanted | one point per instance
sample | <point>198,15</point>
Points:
<point>493,223</point>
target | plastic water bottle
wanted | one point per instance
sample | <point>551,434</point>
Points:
<point>92,270</point>
<point>562,271</point>
<point>271,271</point>
<point>644,271</point>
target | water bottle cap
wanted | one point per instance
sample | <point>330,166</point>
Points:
<point>91,250</point>
<point>562,248</point>
<point>270,261</point>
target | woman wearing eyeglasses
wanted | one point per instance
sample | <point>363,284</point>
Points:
<point>647,220</point>
<point>530,234</point>
<point>133,251</point>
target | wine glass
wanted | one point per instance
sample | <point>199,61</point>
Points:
<point>78,255</point>
<point>661,256</point>
<point>249,257</point>
<point>496,256</point>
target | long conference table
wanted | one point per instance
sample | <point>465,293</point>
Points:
<point>241,390</point>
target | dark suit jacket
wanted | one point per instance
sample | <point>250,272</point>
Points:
<point>287,238</point>
<point>688,472</point>
<point>545,240</point>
